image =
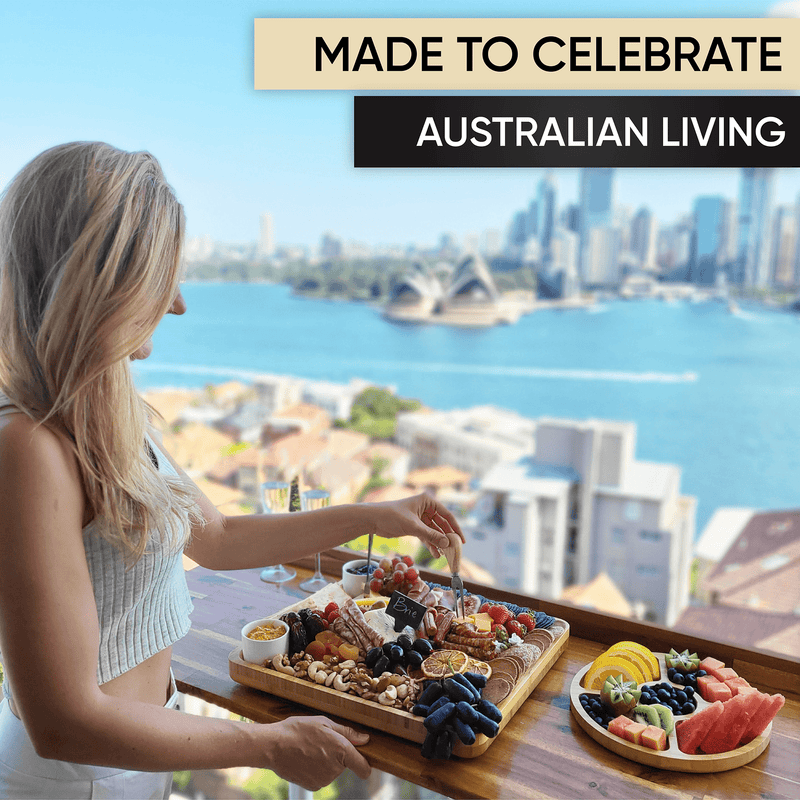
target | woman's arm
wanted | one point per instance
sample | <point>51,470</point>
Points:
<point>253,540</point>
<point>49,638</point>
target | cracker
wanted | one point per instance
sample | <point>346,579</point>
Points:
<point>504,663</point>
<point>526,653</point>
<point>496,690</point>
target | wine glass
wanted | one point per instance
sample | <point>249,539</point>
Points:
<point>315,498</point>
<point>276,501</point>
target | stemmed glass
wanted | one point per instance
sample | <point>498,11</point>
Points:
<point>276,501</point>
<point>315,498</point>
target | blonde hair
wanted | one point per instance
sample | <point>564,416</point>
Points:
<point>90,250</point>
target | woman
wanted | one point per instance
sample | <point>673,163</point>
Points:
<point>95,515</point>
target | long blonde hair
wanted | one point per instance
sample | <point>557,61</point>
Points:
<point>90,249</point>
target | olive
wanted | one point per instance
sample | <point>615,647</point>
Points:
<point>395,653</point>
<point>381,666</point>
<point>372,656</point>
<point>423,646</point>
<point>415,659</point>
<point>404,640</point>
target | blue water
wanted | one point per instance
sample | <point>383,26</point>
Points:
<point>716,393</point>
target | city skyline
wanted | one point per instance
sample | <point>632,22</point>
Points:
<point>176,79</point>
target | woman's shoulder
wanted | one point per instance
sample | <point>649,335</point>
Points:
<point>38,456</point>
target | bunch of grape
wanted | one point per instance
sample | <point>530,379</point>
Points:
<point>394,575</point>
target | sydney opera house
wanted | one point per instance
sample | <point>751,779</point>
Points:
<point>468,297</point>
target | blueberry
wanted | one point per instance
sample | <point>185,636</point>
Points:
<point>674,705</point>
<point>694,702</point>
<point>687,708</point>
<point>701,673</point>
<point>663,694</point>
<point>598,719</point>
<point>671,672</point>
<point>583,697</point>
<point>678,678</point>
<point>681,697</point>
<point>689,691</point>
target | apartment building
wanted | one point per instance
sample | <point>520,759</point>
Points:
<point>472,439</point>
<point>582,505</point>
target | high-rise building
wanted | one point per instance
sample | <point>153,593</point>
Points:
<point>644,237</point>
<point>581,506</point>
<point>597,245</point>
<point>546,212</point>
<point>784,246</point>
<point>266,238</point>
<point>756,192</point>
<point>711,221</point>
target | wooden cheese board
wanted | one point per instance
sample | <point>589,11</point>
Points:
<point>366,712</point>
<point>671,758</point>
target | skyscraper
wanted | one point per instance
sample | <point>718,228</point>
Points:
<point>546,212</point>
<point>644,236</point>
<point>709,243</point>
<point>599,247</point>
<point>756,192</point>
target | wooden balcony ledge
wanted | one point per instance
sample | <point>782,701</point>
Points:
<point>542,752</point>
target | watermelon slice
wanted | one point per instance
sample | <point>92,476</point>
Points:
<point>762,717</point>
<point>617,726</point>
<point>633,733</point>
<point>727,731</point>
<point>692,731</point>
<point>711,665</point>
<point>737,684</point>
<point>726,674</point>
<point>712,690</point>
<point>654,738</point>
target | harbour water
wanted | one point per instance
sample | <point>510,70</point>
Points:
<point>714,392</point>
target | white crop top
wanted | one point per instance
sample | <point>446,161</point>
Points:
<point>140,611</point>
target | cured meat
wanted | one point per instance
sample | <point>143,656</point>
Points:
<point>340,628</point>
<point>475,652</point>
<point>429,622</point>
<point>478,644</point>
<point>361,628</point>
<point>443,622</point>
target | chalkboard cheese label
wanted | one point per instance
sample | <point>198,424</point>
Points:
<point>405,611</point>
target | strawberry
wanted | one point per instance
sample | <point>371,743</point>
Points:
<point>514,627</point>
<point>484,608</point>
<point>527,620</point>
<point>500,614</point>
<point>330,607</point>
<point>500,633</point>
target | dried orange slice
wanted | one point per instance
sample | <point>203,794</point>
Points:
<point>444,662</point>
<point>605,666</point>
<point>642,651</point>
<point>481,667</point>
<point>635,658</point>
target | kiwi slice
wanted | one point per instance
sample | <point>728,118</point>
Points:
<point>665,717</point>
<point>647,715</point>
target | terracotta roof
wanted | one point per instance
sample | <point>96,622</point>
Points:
<point>601,594</point>
<point>197,447</point>
<point>338,473</point>
<point>392,492</point>
<point>304,411</point>
<point>444,475</point>
<point>761,568</point>
<point>766,533</point>
<point>744,627</point>
<point>295,452</point>
<point>342,443</point>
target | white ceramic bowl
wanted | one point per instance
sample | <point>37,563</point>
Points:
<point>354,584</point>
<point>258,651</point>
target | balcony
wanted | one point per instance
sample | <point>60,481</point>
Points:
<point>542,752</point>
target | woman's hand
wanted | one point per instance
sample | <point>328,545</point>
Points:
<point>313,751</point>
<point>421,516</point>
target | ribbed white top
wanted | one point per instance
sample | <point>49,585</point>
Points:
<point>140,611</point>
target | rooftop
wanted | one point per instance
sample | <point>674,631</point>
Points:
<point>721,531</point>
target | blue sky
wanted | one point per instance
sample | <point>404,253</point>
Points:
<point>175,78</point>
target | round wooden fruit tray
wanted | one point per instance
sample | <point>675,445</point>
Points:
<point>671,758</point>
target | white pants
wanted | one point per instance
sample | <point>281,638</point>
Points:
<point>24,774</point>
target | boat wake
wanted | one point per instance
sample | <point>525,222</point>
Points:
<point>448,368</point>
